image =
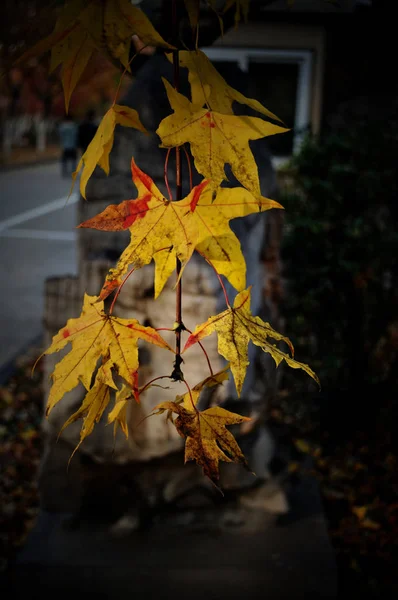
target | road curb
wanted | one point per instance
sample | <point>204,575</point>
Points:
<point>25,165</point>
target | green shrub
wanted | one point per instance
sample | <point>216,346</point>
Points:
<point>340,249</point>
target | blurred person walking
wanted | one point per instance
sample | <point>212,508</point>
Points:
<point>68,132</point>
<point>87,130</point>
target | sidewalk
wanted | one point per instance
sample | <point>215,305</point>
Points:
<point>23,157</point>
<point>247,555</point>
<point>222,550</point>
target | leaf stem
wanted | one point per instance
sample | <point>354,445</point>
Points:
<point>166,177</point>
<point>189,168</point>
<point>204,352</point>
<point>142,390</point>
<point>124,73</point>
<point>119,289</point>
<point>190,395</point>
<point>218,277</point>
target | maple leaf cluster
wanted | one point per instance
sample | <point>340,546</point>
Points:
<point>165,231</point>
<point>84,27</point>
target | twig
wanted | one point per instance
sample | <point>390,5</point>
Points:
<point>177,373</point>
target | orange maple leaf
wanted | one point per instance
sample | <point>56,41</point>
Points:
<point>207,439</point>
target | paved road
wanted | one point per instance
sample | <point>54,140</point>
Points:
<point>37,240</point>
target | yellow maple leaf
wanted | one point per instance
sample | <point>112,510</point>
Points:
<point>192,8</point>
<point>235,327</point>
<point>209,88</point>
<point>215,239</point>
<point>94,403</point>
<point>122,20</point>
<point>154,223</point>
<point>83,27</point>
<point>92,335</point>
<point>72,42</point>
<point>66,23</point>
<point>98,150</point>
<point>118,414</point>
<point>216,139</point>
<point>81,50</point>
<point>242,6</point>
<point>207,439</point>
<point>68,18</point>
<point>163,230</point>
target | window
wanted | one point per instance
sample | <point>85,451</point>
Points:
<point>279,79</point>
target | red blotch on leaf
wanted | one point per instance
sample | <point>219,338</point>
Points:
<point>66,333</point>
<point>135,387</point>
<point>190,342</point>
<point>197,190</point>
<point>108,288</point>
<point>137,210</point>
<point>211,122</point>
<point>141,176</point>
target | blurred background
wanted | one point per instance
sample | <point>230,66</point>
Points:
<point>326,69</point>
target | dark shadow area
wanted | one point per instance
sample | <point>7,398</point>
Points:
<point>321,519</point>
